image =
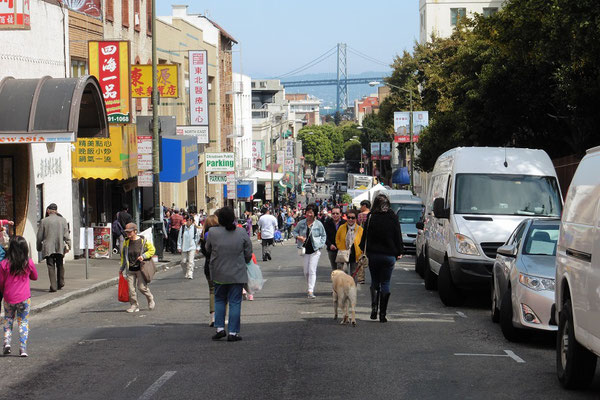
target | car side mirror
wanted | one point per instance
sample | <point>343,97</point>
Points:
<point>438,209</point>
<point>420,225</point>
<point>509,250</point>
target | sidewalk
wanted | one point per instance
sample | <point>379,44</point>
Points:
<point>102,273</point>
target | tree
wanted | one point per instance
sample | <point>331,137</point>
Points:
<point>349,130</point>
<point>316,145</point>
<point>352,150</point>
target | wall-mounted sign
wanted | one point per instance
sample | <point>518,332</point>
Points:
<point>217,179</point>
<point>144,152</point>
<point>145,178</point>
<point>87,7</point>
<point>109,62</point>
<point>198,87</point>
<point>14,14</point>
<point>258,151</point>
<point>231,185</point>
<point>65,137</point>
<point>166,75</point>
<point>219,162</point>
<point>201,132</point>
<point>288,165</point>
<point>179,158</point>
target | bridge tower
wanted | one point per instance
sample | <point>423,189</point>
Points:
<point>342,78</point>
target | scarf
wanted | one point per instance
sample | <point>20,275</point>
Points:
<point>350,234</point>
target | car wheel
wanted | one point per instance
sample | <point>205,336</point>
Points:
<point>420,265</point>
<point>509,331</point>
<point>575,365</point>
<point>450,295</point>
<point>495,311</point>
<point>429,277</point>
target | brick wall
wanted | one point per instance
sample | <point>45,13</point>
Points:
<point>81,29</point>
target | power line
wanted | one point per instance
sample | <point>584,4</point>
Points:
<point>310,64</point>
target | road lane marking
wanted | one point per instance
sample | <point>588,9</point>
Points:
<point>515,357</point>
<point>509,354</point>
<point>461,314</point>
<point>156,385</point>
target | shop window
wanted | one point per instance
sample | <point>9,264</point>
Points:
<point>125,13</point>
<point>456,14</point>
<point>489,11</point>
<point>78,68</point>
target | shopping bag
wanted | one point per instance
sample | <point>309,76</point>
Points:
<point>255,277</point>
<point>123,289</point>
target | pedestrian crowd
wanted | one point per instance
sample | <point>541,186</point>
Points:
<point>372,233</point>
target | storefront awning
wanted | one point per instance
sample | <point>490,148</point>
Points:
<point>55,110</point>
<point>111,158</point>
<point>265,176</point>
<point>179,158</point>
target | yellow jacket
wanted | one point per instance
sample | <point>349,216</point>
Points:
<point>340,239</point>
<point>148,251</point>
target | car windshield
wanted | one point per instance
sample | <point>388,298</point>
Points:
<point>541,240</point>
<point>409,215</point>
<point>507,195</point>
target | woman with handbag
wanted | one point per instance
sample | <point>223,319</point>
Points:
<point>347,240</point>
<point>230,250</point>
<point>210,222</point>
<point>310,239</point>
<point>135,250</point>
<point>382,244</point>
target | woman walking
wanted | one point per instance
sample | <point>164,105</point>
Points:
<point>382,242</point>
<point>209,222</point>
<point>136,249</point>
<point>348,237</point>
<point>310,239</point>
<point>15,272</point>
<point>230,250</point>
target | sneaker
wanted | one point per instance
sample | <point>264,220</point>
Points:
<point>234,338</point>
<point>250,297</point>
<point>23,353</point>
<point>151,305</point>
<point>311,295</point>
<point>133,309</point>
<point>219,335</point>
<point>6,350</point>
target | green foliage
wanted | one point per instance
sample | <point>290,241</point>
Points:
<point>352,150</point>
<point>316,145</point>
<point>349,130</point>
<point>346,199</point>
<point>373,131</point>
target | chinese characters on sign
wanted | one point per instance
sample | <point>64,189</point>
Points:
<point>50,166</point>
<point>109,62</point>
<point>258,150</point>
<point>166,74</point>
<point>198,87</point>
<point>14,14</point>
<point>144,149</point>
<point>386,151</point>
<point>402,125</point>
<point>94,151</point>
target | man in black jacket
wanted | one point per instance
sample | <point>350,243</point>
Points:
<point>331,227</point>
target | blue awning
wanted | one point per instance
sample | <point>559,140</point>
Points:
<point>179,158</point>
<point>400,176</point>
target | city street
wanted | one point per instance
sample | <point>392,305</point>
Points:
<point>291,349</point>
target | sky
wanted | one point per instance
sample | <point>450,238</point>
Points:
<point>278,36</point>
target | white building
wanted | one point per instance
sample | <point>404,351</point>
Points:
<point>242,123</point>
<point>439,16</point>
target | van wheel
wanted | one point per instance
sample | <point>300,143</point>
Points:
<point>429,277</point>
<point>420,265</point>
<point>495,311</point>
<point>509,331</point>
<point>450,295</point>
<point>575,365</point>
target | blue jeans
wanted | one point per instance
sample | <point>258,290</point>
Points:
<point>381,267</point>
<point>228,293</point>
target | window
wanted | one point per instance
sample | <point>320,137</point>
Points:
<point>456,13</point>
<point>541,240</point>
<point>78,68</point>
<point>136,15</point>
<point>125,13</point>
<point>110,10</point>
<point>489,11</point>
<point>422,21</point>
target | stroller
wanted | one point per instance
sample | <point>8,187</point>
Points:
<point>278,237</point>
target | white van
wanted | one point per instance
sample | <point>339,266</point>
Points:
<point>476,198</point>
<point>577,293</point>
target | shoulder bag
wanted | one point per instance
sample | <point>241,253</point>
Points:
<point>147,267</point>
<point>363,261</point>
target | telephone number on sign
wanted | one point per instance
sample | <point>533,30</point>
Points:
<point>118,118</point>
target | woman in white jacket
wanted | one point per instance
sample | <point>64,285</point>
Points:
<point>188,243</point>
<point>310,239</point>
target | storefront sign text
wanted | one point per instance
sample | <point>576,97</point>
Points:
<point>166,75</point>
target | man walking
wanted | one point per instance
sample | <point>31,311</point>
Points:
<point>331,227</point>
<point>54,242</point>
<point>188,243</point>
<point>267,225</point>
<point>176,222</point>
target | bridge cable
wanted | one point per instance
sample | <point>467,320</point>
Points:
<point>310,64</point>
<point>367,57</point>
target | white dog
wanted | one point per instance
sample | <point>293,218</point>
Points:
<point>344,295</point>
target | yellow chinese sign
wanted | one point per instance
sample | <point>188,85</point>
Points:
<point>112,158</point>
<point>166,75</point>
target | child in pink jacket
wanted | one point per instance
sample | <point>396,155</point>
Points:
<point>15,272</point>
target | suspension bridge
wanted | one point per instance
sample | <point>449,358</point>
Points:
<point>341,81</point>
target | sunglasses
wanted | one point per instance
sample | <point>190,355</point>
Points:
<point>351,217</point>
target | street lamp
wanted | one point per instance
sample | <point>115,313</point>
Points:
<point>412,168</point>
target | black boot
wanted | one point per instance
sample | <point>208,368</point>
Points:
<point>374,302</point>
<point>384,298</point>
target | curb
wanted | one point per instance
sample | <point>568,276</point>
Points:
<point>76,294</point>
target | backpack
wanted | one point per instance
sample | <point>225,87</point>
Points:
<point>117,228</point>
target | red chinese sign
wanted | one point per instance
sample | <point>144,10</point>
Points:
<point>14,14</point>
<point>198,87</point>
<point>166,77</point>
<point>109,62</point>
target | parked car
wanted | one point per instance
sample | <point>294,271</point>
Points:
<point>476,198</point>
<point>409,210</point>
<point>577,293</point>
<point>523,279</point>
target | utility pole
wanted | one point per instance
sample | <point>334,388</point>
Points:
<point>156,223</point>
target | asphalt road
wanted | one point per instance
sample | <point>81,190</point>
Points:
<point>291,348</point>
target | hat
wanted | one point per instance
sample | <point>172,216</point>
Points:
<point>53,206</point>
<point>130,227</point>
